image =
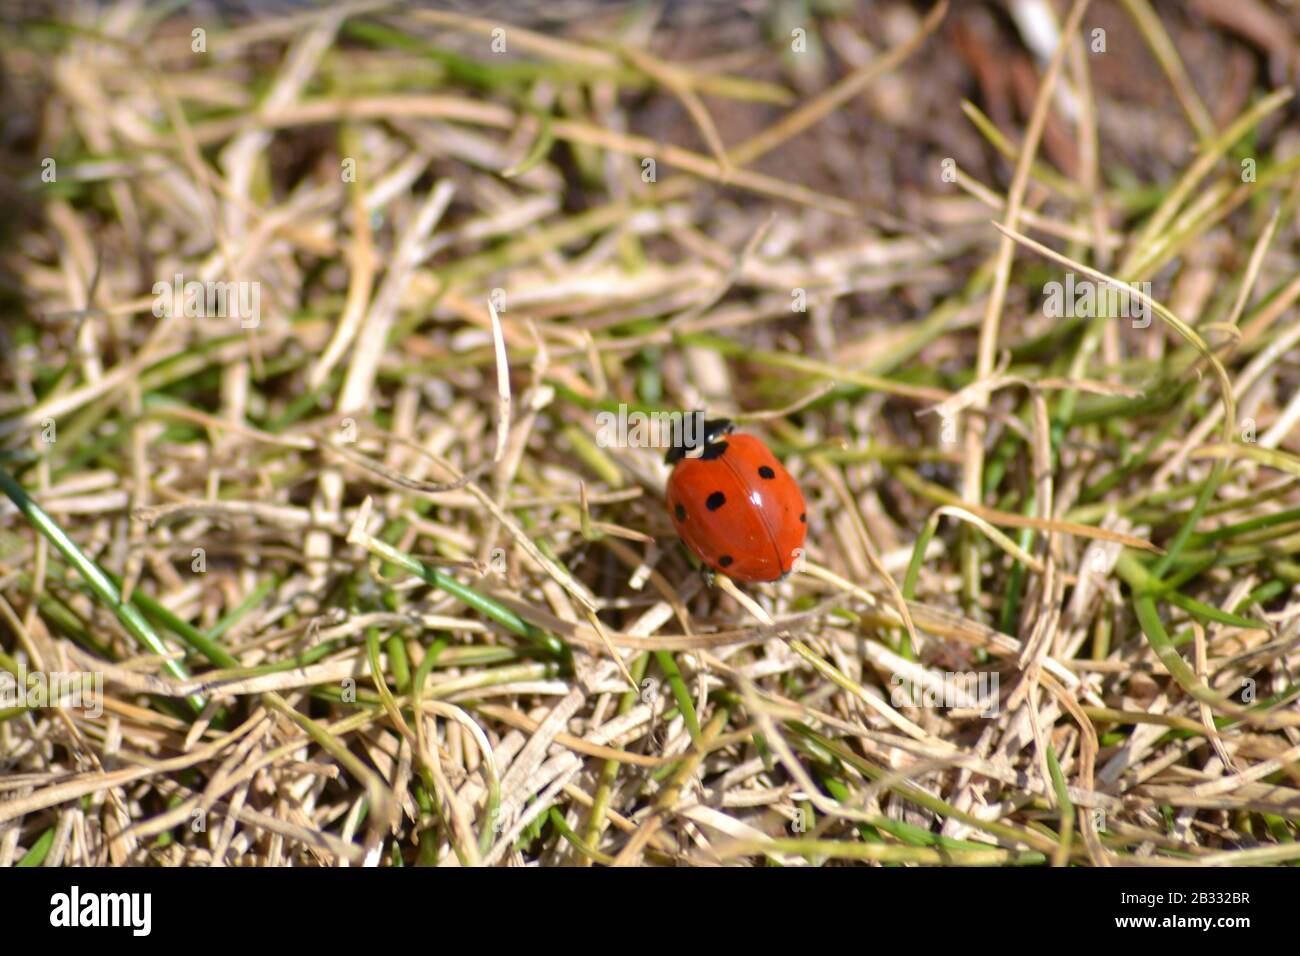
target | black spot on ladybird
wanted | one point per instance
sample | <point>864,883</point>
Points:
<point>681,513</point>
<point>766,472</point>
<point>716,450</point>
<point>715,501</point>
<point>803,516</point>
<point>725,561</point>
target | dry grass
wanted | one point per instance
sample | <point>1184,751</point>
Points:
<point>362,584</point>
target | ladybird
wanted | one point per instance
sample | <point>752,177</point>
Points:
<point>735,505</point>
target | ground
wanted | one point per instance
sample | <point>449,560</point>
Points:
<point>314,549</point>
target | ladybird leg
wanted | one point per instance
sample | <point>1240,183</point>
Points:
<point>710,576</point>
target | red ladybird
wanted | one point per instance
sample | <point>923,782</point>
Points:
<point>735,505</point>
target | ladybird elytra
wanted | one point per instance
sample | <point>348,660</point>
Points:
<point>736,507</point>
